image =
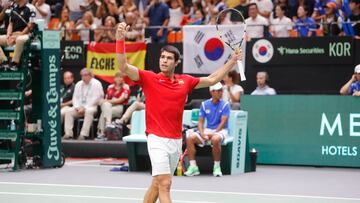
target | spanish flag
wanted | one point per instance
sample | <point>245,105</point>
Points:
<point>102,60</point>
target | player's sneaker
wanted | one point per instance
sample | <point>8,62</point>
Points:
<point>217,171</point>
<point>192,171</point>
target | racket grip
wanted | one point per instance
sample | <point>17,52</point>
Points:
<point>241,70</point>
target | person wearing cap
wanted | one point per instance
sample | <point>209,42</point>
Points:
<point>319,9</point>
<point>262,79</point>
<point>352,87</point>
<point>355,17</point>
<point>332,22</point>
<point>216,112</point>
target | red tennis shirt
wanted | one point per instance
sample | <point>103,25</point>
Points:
<point>165,101</point>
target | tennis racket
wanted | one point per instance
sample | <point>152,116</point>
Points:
<point>231,35</point>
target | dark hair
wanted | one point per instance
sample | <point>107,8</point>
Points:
<point>282,7</point>
<point>173,50</point>
<point>306,8</point>
<point>234,75</point>
<point>252,4</point>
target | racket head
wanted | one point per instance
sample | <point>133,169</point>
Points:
<point>231,27</point>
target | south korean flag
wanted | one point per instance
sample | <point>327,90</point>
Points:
<point>204,52</point>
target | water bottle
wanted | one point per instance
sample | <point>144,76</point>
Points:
<point>12,125</point>
<point>179,170</point>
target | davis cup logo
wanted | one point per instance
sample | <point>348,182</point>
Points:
<point>213,49</point>
<point>262,51</point>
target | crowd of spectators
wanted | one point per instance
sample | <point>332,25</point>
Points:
<point>95,20</point>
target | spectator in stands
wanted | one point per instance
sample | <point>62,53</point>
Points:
<point>107,8</point>
<point>213,7</point>
<point>216,112</point>
<point>117,95</point>
<point>196,19</point>
<point>75,11</point>
<point>231,90</point>
<point>85,25</point>
<point>352,87</point>
<point>355,17</point>
<point>136,29</point>
<point>319,9</point>
<point>42,10</point>
<point>106,33</point>
<point>295,6</point>
<point>176,12</point>
<point>17,33</point>
<point>91,5</point>
<point>243,8</point>
<point>262,79</point>
<point>255,23</point>
<point>56,7</point>
<point>128,6</point>
<point>305,25</point>
<point>195,15</point>
<point>282,25</point>
<point>157,14</point>
<point>65,25</point>
<point>137,105</point>
<point>141,5</point>
<point>331,22</point>
<point>66,92</point>
<point>264,7</point>
<point>87,94</point>
<point>286,8</point>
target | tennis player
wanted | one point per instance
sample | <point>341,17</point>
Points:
<point>165,94</point>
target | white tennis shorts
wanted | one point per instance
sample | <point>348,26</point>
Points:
<point>164,154</point>
<point>222,133</point>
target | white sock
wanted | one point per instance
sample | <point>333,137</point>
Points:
<point>192,162</point>
<point>216,163</point>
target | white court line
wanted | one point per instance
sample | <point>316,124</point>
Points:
<point>189,191</point>
<point>86,196</point>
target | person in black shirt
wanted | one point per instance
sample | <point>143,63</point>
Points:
<point>66,92</point>
<point>243,9</point>
<point>17,32</point>
<point>355,17</point>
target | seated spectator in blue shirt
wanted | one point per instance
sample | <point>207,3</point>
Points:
<point>305,25</point>
<point>157,14</point>
<point>352,87</point>
<point>216,112</point>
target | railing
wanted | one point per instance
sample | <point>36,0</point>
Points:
<point>175,33</point>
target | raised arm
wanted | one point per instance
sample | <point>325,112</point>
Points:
<point>218,75</point>
<point>131,71</point>
<point>345,89</point>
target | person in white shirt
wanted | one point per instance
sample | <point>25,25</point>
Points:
<point>176,13</point>
<point>42,10</point>
<point>255,23</point>
<point>265,7</point>
<point>85,25</point>
<point>231,90</point>
<point>262,88</point>
<point>87,94</point>
<point>282,25</point>
<point>74,6</point>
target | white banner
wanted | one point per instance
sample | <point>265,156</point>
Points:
<point>204,52</point>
